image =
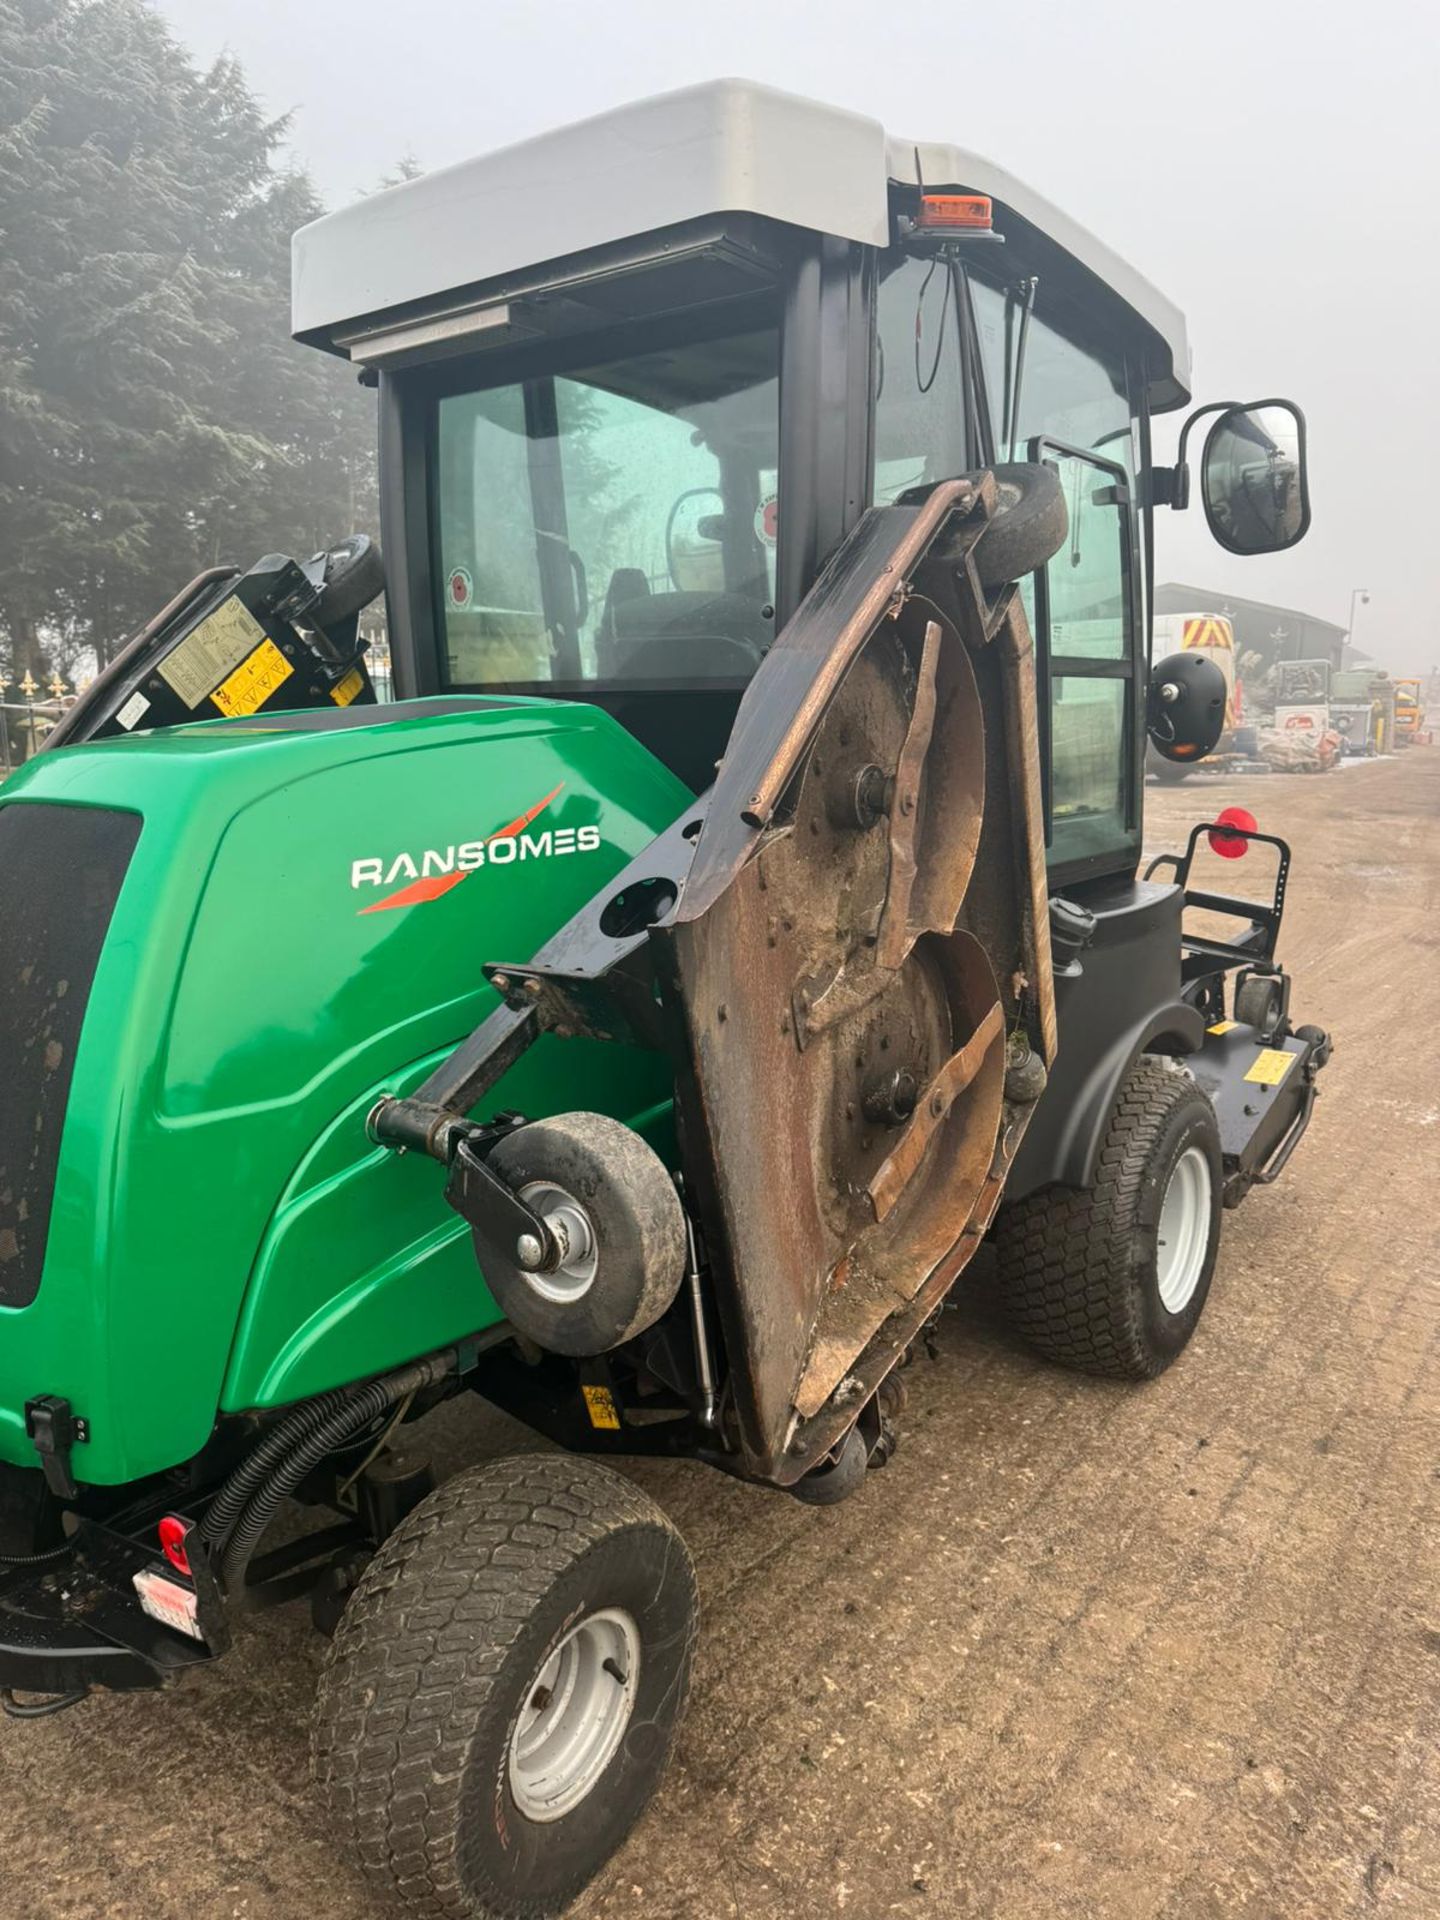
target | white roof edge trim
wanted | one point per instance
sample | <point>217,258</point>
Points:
<point>726,146</point>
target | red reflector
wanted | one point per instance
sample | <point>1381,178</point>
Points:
<point>172,1533</point>
<point>1230,846</point>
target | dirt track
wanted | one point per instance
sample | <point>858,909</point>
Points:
<point>1079,1651</point>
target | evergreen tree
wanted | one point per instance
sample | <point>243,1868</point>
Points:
<point>155,416</point>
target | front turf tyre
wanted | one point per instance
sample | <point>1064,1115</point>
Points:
<point>500,1699</point>
<point>1112,1279</point>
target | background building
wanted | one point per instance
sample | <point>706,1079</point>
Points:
<point>1274,633</point>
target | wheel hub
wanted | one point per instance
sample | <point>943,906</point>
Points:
<point>574,1715</point>
<point>574,1274</point>
<point>1184,1231</point>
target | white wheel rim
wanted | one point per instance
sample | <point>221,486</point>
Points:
<point>574,1715</point>
<point>1184,1232</point>
<point>570,1223</point>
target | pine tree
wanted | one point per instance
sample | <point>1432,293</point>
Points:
<point>155,416</point>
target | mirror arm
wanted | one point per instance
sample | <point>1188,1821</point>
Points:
<point>1178,491</point>
<point>1166,487</point>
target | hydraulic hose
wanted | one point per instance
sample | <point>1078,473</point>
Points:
<point>228,1504</point>
<point>357,1410</point>
<point>32,1559</point>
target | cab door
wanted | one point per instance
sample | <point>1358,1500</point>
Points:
<point>1084,613</point>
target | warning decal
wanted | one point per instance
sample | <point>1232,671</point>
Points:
<point>600,1405</point>
<point>253,681</point>
<point>1271,1066</point>
<point>133,712</point>
<point>348,689</point>
<point>1222,1026</point>
<point>215,648</point>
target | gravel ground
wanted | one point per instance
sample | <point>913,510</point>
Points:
<point>1081,1650</point>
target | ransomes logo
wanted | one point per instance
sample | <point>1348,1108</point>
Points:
<point>435,870</point>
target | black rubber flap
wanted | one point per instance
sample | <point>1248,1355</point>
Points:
<point>61,870</point>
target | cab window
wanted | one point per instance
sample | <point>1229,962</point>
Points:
<point>1076,395</point>
<point>614,525</point>
<point>1074,413</point>
<point>1084,613</point>
<point>919,418</point>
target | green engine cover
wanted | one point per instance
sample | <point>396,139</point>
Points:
<point>300,930</point>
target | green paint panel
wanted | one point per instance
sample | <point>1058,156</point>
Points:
<point>223,1234</point>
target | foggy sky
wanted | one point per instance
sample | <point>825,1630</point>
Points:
<point>1273,167</point>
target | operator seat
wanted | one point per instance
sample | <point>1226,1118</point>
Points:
<point>672,666</point>
<point>677,636</point>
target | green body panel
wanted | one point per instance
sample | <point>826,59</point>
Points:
<point>223,1234</point>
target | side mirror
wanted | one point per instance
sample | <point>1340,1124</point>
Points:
<point>1185,706</point>
<point>1253,479</point>
<point>694,531</point>
<point>1253,476</point>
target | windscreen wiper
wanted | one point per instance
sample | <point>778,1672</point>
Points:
<point>1024,292</point>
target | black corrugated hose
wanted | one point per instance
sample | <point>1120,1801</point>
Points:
<point>357,1410</point>
<point>225,1508</point>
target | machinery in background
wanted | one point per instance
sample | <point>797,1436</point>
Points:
<point>1409,713</point>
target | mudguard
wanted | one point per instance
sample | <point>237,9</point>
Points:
<point>1117,998</point>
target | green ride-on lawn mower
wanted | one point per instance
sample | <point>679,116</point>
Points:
<point>642,1020</point>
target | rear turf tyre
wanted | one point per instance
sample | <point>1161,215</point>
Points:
<point>1113,1279</point>
<point>480,1755</point>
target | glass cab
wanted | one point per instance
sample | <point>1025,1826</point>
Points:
<point>626,513</point>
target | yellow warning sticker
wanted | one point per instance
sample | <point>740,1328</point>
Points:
<point>1271,1066</point>
<point>253,681</point>
<point>348,689</point>
<point>1222,1026</point>
<point>600,1405</point>
<point>215,648</point>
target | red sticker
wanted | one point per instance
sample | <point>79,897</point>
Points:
<point>767,520</point>
<point>460,587</point>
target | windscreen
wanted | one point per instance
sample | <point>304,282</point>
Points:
<point>612,525</point>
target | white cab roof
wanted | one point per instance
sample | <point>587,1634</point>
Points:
<point>728,146</point>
